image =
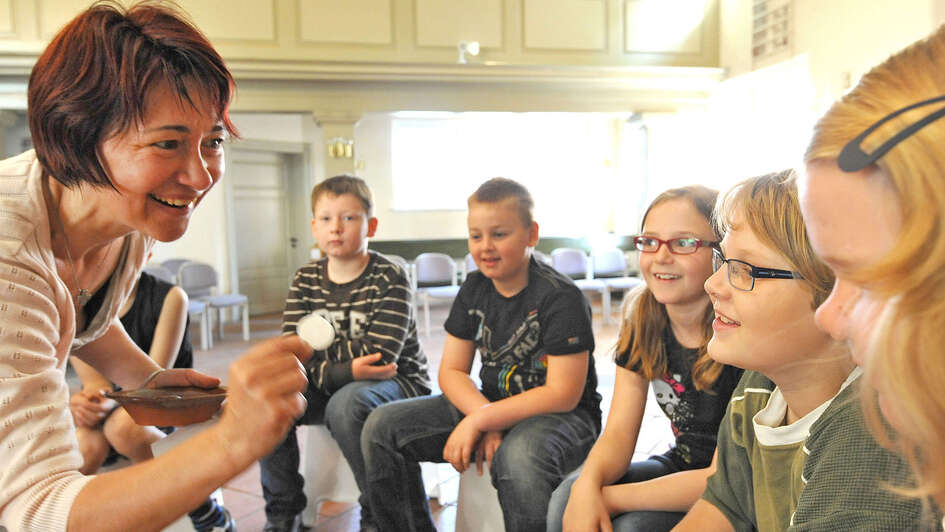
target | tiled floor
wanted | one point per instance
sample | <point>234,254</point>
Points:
<point>243,496</point>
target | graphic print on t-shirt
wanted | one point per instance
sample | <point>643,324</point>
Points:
<point>668,390</point>
<point>350,325</point>
<point>512,367</point>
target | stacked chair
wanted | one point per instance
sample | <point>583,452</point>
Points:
<point>576,264</point>
<point>200,282</point>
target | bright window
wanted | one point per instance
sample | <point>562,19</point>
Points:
<point>567,161</point>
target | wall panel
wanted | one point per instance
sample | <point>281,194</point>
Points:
<point>249,21</point>
<point>7,19</point>
<point>351,21</point>
<point>51,15</point>
<point>446,22</point>
<point>664,26</point>
<point>565,24</point>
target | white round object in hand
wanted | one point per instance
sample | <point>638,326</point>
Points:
<point>316,331</point>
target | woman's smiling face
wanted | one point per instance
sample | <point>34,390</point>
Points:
<point>163,166</point>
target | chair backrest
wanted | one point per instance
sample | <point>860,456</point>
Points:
<point>160,272</point>
<point>434,269</point>
<point>610,263</point>
<point>173,265</point>
<point>402,262</point>
<point>398,260</point>
<point>469,265</point>
<point>542,257</point>
<point>196,307</point>
<point>572,262</point>
<point>197,279</point>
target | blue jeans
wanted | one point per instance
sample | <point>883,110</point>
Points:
<point>533,457</point>
<point>644,521</point>
<point>343,413</point>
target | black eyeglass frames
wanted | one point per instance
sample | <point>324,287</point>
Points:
<point>742,275</point>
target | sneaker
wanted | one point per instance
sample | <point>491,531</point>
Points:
<point>282,525</point>
<point>224,523</point>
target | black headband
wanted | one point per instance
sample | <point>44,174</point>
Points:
<point>853,159</point>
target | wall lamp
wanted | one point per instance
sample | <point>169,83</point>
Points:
<point>341,148</point>
<point>467,47</point>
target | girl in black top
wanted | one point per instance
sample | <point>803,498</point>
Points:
<point>662,344</point>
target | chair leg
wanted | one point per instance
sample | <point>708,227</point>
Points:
<point>605,303</point>
<point>246,323</point>
<point>221,316</point>
<point>426,312</point>
<point>207,331</point>
<point>205,337</point>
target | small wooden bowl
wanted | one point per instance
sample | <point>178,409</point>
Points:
<point>172,406</point>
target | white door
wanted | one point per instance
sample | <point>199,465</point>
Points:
<point>262,238</point>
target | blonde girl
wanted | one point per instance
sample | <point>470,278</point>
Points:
<point>879,149</point>
<point>662,343</point>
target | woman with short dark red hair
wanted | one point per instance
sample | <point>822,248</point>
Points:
<point>128,112</point>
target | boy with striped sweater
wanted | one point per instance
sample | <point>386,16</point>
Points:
<point>375,357</point>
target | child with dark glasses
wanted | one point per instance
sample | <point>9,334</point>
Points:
<point>880,150</point>
<point>793,450</point>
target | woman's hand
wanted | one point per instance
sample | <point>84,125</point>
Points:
<point>264,397</point>
<point>90,407</point>
<point>586,511</point>
<point>363,368</point>
<point>486,449</point>
<point>181,377</point>
<point>462,442</point>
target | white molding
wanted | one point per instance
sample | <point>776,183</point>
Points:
<point>691,78</point>
<point>631,76</point>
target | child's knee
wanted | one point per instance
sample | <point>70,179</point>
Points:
<point>123,433</point>
<point>516,453</point>
<point>376,426</point>
<point>349,410</point>
<point>94,449</point>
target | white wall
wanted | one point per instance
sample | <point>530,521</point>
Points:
<point>841,37</point>
<point>760,121</point>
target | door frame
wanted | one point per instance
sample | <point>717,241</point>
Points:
<point>300,179</point>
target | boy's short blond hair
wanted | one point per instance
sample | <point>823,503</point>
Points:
<point>345,184</point>
<point>501,188</point>
<point>769,206</point>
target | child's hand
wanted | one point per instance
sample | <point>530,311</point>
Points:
<point>487,448</point>
<point>90,407</point>
<point>461,444</point>
<point>585,510</point>
<point>363,368</point>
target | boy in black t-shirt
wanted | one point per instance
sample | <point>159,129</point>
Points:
<point>537,412</point>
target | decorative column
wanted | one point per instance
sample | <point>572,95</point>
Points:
<point>7,120</point>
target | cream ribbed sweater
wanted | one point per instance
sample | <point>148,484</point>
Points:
<point>39,454</point>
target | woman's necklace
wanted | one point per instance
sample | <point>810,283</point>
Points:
<point>84,295</point>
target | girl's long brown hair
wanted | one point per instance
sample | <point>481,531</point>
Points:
<point>640,344</point>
